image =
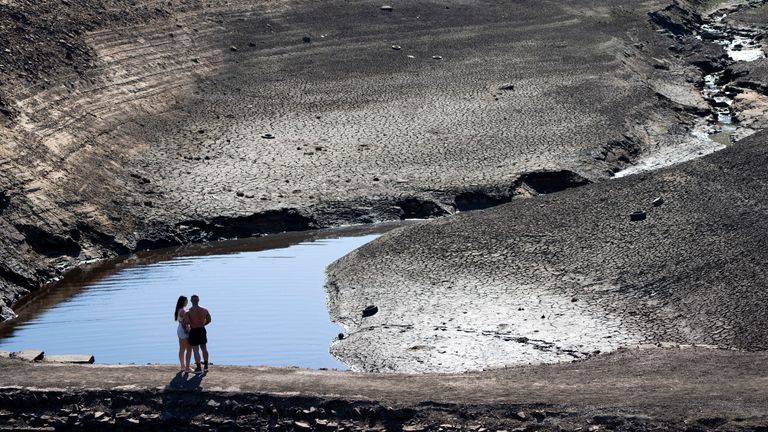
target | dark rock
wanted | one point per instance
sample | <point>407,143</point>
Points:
<point>370,311</point>
<point>233,48</point>
<point>637,216</point>
<point>268,136</point>
<point>658,202</point>
<point>507,87</point>
<point>437,57</point>
<point>341,336</point>
<point>306,39</point>
<point>397,47</point>
<point>387,8</point>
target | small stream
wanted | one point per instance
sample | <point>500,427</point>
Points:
<point>721,129</point>
<point>266,296</point>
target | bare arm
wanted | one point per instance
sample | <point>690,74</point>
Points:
<point>207,317</point>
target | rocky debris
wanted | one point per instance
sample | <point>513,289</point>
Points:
<point>370,311</point>
<point>637,216</point>
<point>306,39</point>
<point>658,202</point>
<point>507,87</point>
<point>268,136</point>
<point>29,355</point>
<point>70,358</point>
<point>386,8</point>
<point>397,47</point>
<point>437,57</point>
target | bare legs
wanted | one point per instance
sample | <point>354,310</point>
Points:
<point>196,349</point>
<point>184,351</point>
<point>205,353</point>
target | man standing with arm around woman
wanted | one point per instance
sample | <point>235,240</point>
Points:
<point>198,317</point>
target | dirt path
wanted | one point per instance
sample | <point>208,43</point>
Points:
<point>638,387</point>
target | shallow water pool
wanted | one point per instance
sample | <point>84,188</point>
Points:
<point>266,297</point>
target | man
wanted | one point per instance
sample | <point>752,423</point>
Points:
<point>198,317</point>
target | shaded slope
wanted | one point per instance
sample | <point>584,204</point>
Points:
<point>562,275</point>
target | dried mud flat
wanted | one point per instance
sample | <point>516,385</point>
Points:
<point>135,125</point>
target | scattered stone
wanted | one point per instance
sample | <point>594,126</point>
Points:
<point>233,48</point>
<point>507,87</point>
<point>302,425</point>
<point>370,311</point>
<point>306,39</point>
<point>437,57</point>
<point>251,44</point>
<point>240,193</point>
<point>520,415</point>
<point>397,47</point>
<point>637,216</point>
<point>387,8</point>
<point>29,355</point>
<point>341,336</point>
<point>70,358</point>
<point>268,136</point>
<point>658,202</point>
<point>5,354</point>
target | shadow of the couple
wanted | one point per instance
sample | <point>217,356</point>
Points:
<point>186,381</point>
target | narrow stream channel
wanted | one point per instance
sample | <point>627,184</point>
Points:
<point>266,296</point>
<point>722,128</point>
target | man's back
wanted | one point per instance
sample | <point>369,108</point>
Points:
<point>197,316</point>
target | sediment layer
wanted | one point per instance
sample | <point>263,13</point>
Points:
<point>135,125</point>
<point>561,276</point>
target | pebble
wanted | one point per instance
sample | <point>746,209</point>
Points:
<point>387,8</point>
<point>437,57</point>
<point>637,216</point>
<point>397,47</point>
<point>306,39</point>
<point>658,202</point>
<point>268,136</point>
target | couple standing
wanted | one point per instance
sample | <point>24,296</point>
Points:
<point>191,332</point>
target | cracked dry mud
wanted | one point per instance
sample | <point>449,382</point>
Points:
<point>134,125</point>
<point>564,275</point>
<point>142,129</point>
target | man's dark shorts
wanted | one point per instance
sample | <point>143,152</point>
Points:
<point>198,336</point>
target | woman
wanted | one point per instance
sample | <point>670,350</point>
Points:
<point>185,351</point>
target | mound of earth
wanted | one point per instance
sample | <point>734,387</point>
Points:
<point>565,275</point>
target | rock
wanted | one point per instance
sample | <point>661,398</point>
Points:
<point>5,354</point>
<point>520,415</point>
<point>70,358</point>
<point>637,216</point>
<point>437,57</point>
<point>306,39</point>
<point>341,336</point>
<point>397,47</point>
<point>240,193</point>
<point>233,48</point>
<point>414,428</point>
<point>370,311</point>
<point>268,136</point>
<point>302,425</point>
<point>387,8</point>
<point>251,44</point>
<point>507,87</point>
<point>658,202</point>
<point>29,355</point>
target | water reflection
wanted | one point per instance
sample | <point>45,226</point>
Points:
<point>266,296</point>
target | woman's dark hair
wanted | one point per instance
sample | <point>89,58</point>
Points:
<point>179,304</point>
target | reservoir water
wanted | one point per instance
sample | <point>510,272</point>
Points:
<point>266,296</point>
